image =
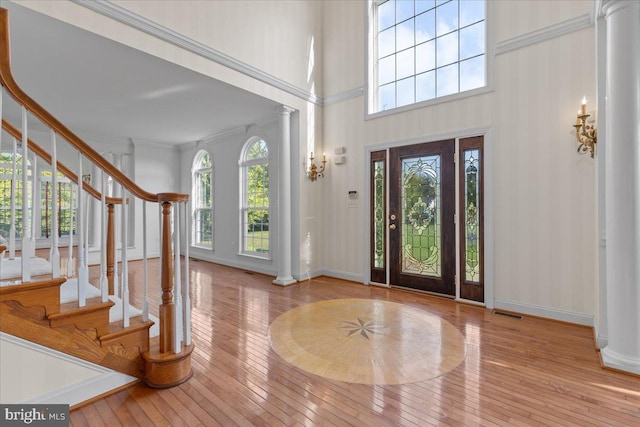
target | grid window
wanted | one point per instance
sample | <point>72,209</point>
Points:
<point>202,196</point>
<point>255,198</point>
<point>6,175</point>
<point>426,49</point>
<point>62,206</point>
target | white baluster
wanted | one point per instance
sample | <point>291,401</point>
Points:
<point>26,240</point>
<point>116,192</point>
<point>87,203</point>
<point>104,284</point>
<point>83,271</point>
<point>116,224</point>
<point>54,254</point>
<point>186,298</point>
<point>177,277</point>
<point>14,179</point>
<point>35,209</point>
<point>125,268</point>
<point>145,278</point>
<point>70,256</point>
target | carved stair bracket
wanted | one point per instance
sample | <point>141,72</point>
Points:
<point>45,293</point>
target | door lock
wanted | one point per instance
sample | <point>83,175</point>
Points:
<point>392,217</point>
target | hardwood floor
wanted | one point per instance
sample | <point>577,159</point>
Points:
<point>516,372</point>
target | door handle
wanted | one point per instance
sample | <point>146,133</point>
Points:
<point>392,227</point>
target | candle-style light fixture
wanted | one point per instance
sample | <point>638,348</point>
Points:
<point>314,172</point>
<point>586,134</point>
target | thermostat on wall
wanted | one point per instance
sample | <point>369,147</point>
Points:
<point>353,194</point>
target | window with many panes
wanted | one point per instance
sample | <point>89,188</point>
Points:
<point>64,206</point>
<point>202,196</point>
<point>6,176</point>
<point>426,49</point>
<point>255,198</point>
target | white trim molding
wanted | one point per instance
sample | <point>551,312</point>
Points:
<point>139,22</point>
<point>73,394</point>
<point>343,275</point>
<point>560,29</point>
<point>546,312</point>
<point>344,96</point>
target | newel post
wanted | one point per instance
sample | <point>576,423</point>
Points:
<point>167,309</point>
<point>164,365</point>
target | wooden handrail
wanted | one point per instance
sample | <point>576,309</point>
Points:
<point>40,152</point>
<point>7,80</point>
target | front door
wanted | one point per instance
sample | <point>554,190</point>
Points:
<point>422,252</point>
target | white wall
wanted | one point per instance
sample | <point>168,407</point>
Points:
<point>543,191</point>
<point>225,151</point>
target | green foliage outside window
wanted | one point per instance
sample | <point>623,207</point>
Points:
<point>256,202</point>
<point>62,205</point>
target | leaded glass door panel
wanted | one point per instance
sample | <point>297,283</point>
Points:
<point>421,217</point>
<point>471,166</point>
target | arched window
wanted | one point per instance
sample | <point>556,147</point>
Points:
<point>202,197</point>
<point>254,173</point>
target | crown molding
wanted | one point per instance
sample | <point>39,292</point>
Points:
<point>344,96</point>
<point>560,29</point>
<point>120,14</point>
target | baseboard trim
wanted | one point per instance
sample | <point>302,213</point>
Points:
<point>76,394</point>
<point>615,361</point>
<point>545,312</point>
<point>343,275</point>
<point>235,264</point>
<point>307,275</point>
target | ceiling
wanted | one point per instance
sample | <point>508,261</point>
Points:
<point>98,86</point>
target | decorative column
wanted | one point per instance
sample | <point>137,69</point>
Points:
<point>622,174</point>
<point>284,196</point>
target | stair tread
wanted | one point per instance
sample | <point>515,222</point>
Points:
<point>69,309</point>
<point>116,329</point>
<point>41,282</point>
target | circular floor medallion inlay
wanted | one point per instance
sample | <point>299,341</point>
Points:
<point>367,341</point>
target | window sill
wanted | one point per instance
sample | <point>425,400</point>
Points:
<point>266,259</point>
<point>431,102</point>
<point>203,248</point>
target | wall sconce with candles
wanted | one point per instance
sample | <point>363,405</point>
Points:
<point>314,172</point>
<point>586,135</point>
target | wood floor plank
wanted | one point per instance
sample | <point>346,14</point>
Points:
<point>527,372</point>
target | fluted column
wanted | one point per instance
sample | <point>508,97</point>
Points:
<point>284,197</point>
<point>622,174</point>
